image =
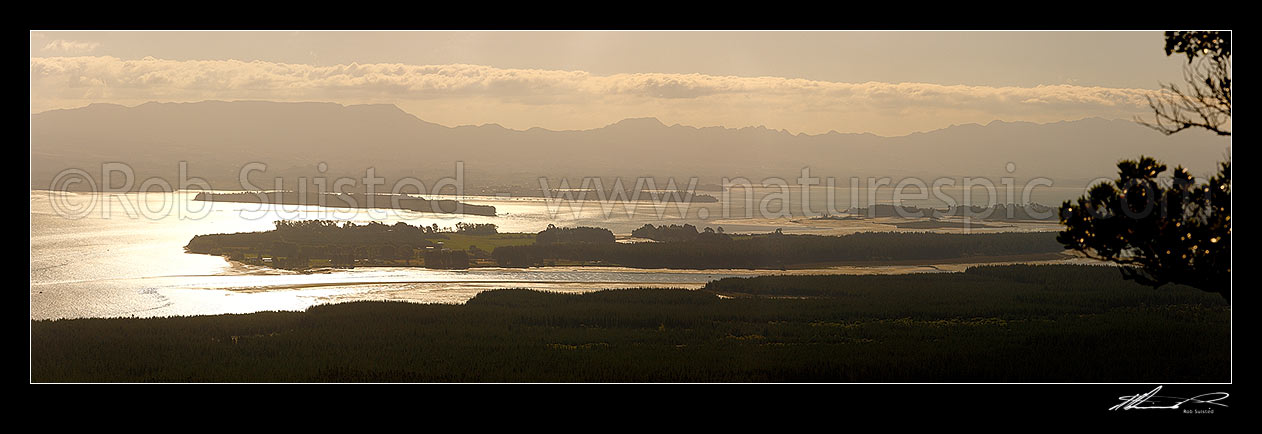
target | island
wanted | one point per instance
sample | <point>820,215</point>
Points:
<point>583,194</point>
<point>1031,212</point>
<point>351,200</point>
<point>934,223</point>
<point>313,244</point>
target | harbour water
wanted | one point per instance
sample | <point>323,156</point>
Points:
<point>125,256</point>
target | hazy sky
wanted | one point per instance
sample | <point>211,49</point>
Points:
<point>887,83</point>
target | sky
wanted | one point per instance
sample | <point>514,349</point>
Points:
<point>885,83</point>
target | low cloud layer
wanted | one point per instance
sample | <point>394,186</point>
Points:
<point>71,47</point>
<point>521,98</point>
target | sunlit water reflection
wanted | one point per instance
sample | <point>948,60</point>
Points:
<point>123,260</point>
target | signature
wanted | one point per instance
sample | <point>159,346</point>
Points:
<point>1153,401</point>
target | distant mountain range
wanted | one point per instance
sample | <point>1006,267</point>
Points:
<point>217,138</point>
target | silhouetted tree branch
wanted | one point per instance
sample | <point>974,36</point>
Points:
<point>1174,231</point>
<point>1206,102</point>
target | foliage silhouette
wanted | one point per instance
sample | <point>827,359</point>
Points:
<point>1206,103</point>
<point>1174,231</point>
<point>1160,232</point>
<point>581,234</point>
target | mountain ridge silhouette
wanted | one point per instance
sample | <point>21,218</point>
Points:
<point>221,136</point>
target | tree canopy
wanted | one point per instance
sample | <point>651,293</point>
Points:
<point>1161,230</point>
<point>1168,230</point>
